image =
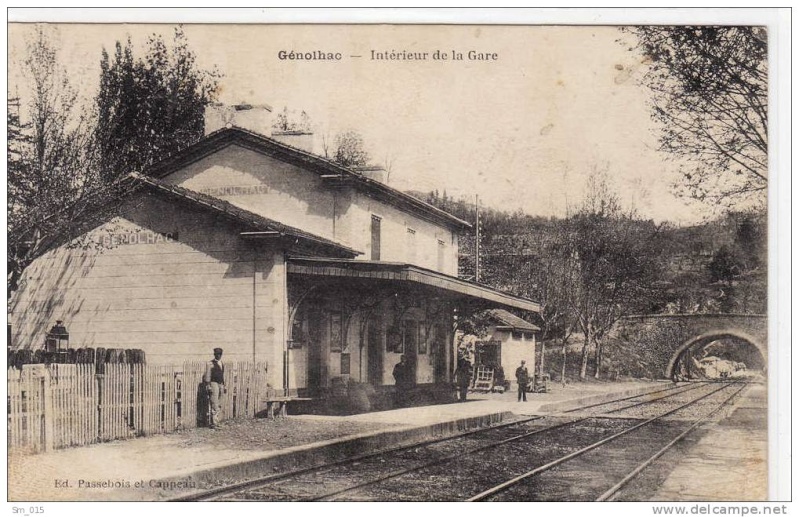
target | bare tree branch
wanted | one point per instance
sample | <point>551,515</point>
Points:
<point>710,96</point>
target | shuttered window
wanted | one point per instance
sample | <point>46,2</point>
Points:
<point>410,245</point>
<point>375,238</point>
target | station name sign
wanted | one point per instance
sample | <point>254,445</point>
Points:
<point>112,239</point>
<point>233,190</point>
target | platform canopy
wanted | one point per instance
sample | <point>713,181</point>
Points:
<point>407,275</point>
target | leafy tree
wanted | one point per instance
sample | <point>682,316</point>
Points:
<point>725,266</point>
<point>710,96</point>
<point>66,167</point>
<point>51,176</point>
<point>553,287</point>
<point>751,238</point>
<point>349,149</point>
<point>614,256</point>
<point>715,266</point>
<point>150,107</point>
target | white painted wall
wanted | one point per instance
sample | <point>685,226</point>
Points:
<point>175,299</point>
<point>265,186</point>
<point>394,229</point>
<point>514,350</point>
<point>298,198</point>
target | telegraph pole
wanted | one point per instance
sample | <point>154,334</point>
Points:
<point>477,239</point>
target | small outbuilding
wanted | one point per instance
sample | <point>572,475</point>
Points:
<point>509,341</point>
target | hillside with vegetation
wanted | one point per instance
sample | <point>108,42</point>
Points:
<point>600,264</point>
<point>717,266</point>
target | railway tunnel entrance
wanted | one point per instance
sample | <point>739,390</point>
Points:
<point>655,344</point>
<point>718,356</point>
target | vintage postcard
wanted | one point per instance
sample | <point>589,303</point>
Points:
<point>447,256</point>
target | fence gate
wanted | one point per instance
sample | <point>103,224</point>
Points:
<point>26,423</point>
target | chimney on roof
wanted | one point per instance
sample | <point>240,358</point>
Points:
<point>259,119</point>
<point>298,139</point>
<point>373,172</point>
<point>255,118</point>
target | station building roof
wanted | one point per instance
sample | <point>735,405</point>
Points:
<point>407,274</point>
<point>506,320</point>
<point>332,172</point>
<point>254,224</point>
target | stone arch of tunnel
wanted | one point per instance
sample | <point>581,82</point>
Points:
<point>709,337</point>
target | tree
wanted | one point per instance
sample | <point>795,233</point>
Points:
<point>751,236</point>
<point>613,255</point>
<point>65,167</point>
<point>18,142</point>
<point>18,199</point>
<point>725,266</point>
<point>553,289</point>
<point>349,149</point>
<point>150,107</point>
<point>710,95</point>
<point>51,178</point>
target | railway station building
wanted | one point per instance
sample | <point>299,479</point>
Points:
<point>254,244</point>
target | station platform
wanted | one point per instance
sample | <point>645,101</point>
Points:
<point>164,467</point>
<point>729,459</point>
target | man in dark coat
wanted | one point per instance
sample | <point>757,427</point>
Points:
<point>463,377</point>
<point>403,380</point>
<point>522,377</point>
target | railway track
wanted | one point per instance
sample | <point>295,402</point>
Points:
<point>414,472</point>
<point>583,474</point>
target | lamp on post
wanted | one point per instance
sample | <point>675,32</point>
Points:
<point>57,338</point>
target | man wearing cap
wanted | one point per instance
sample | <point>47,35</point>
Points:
<point>214,381</point>
<point>522,378</point>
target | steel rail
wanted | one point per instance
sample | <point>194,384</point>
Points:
<point>691,386</point>
<point>460,454</point>
<point>511,482</point>
<point>217,492</point>
<point>612,491</point>
<point>637,404</point>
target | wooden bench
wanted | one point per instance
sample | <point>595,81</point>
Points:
<point>276,406</point>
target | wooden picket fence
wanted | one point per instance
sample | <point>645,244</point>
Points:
<point>63,405</point>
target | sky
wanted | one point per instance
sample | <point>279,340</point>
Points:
<point>522,131</point>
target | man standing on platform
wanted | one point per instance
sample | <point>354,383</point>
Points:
<point>463,377</point>
<point>403,381</point>
<point>214,380</point>
<point>522,378</point>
